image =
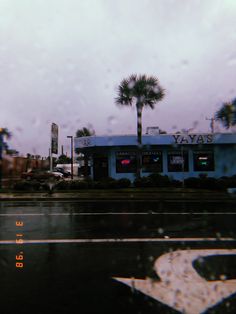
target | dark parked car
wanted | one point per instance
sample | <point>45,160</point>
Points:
<point>40,175</point>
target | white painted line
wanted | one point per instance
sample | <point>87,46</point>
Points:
<point>19,214</point>
<point>116,213</point>
<point>118,240</point>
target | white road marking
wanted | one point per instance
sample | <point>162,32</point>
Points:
<point>117,240</point>
<point>116,213</point>
<point>181,287</point>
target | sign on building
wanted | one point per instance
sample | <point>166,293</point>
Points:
<point>153,130</point>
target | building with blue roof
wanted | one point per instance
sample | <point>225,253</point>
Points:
<point>177,155</point>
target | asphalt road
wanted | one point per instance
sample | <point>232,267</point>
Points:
<point>62,257</point>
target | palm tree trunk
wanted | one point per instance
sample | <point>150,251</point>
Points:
<point>139,139</point>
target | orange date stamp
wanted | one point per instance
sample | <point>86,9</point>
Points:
<point>19,241</point>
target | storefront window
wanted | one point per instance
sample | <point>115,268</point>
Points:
<point>203,161</point>
<point>152,161</point>
<point>177,161</point>
<point>126,162</point>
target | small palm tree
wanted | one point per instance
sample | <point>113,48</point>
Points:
<point>80,133</point>
<point>5,133</point>
<point>227,114</point>
<point>85,132</point>
<point>141,91</point>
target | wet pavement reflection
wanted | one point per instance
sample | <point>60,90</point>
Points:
<point>61,274</point>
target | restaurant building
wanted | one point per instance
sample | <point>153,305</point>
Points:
<point>177,155</point>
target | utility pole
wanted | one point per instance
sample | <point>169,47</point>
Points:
<point>71,155</point>
<point>212,124</point>
<point>50,156</point>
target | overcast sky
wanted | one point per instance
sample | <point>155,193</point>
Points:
<point>62,60</point>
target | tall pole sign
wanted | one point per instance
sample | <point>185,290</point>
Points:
<point>54,142</point>
<point>54,138</point>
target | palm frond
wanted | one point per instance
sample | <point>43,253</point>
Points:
<point>5,132</point>
<point>140,90</point>
<point>84,132</point>
<point>227,114</point>
<point>124,93</point>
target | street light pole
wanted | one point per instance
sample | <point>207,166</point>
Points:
<point>71,154</point>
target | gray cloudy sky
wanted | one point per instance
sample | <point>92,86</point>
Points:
<point>62,60</point>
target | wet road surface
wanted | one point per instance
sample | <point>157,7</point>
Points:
<point>65,257</point>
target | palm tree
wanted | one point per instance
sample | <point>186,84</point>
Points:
<point>85,132</point>
<point>81,133</point>
<point>141,91</point>
<point>5,133</point>
<point>227,114</point>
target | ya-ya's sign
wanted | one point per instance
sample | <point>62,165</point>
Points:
<point>193,138</point>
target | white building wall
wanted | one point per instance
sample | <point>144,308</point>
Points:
<point>225,157</point>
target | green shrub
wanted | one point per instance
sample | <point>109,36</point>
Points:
<point>192,182</point>
<point>62,185</point>
<point>227,182</point>
<point>123,183</point>
<point>106,183</point>
<point>222,183</point>
<point>78,185</point>
<point>153,180</point>
<point>143,182</point>
<point>203,175</point>
<point>90,183</point>
<point>203,182</point>
<point>232,182</point>
<point>159,180</point>
<point>176,183</point>
<point>27,186</point>
<point>21,186</point>
<point>209,183</point>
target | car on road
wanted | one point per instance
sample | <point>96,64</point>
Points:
<point>40,175</point>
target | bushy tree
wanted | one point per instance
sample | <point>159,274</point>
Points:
<point>63,159</point>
